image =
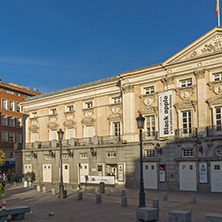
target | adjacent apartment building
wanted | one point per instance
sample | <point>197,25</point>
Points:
<point>11,124</point>
<point>181,100</point>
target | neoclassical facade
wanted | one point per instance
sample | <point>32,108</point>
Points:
<point>181,100</point>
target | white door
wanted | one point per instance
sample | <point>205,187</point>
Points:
<point>27,168</point>
<point>83,171</point>
<point>47,173</point>
<point>65,168</point>
<point>216,176</point>
<point>188,176</point>
<point>150,175</point>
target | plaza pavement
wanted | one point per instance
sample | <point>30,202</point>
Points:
<point>110,210</point>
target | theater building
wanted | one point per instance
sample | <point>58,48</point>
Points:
<point>11,124</point>
<point>181,100</point>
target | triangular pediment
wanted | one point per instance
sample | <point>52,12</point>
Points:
<point>210,43</point>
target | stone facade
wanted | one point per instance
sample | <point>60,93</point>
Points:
<point>101,135</point>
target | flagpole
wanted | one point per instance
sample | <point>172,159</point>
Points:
<point>218,13</point>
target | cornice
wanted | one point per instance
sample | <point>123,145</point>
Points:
<point>185,92</point>
<point>148,99</point>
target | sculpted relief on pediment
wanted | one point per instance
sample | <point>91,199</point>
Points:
<point>211,46</point>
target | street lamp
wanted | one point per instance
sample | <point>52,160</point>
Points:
<point>61,186</point>
<point>140,124</point>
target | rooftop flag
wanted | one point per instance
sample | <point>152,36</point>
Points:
<point>217,8</point>
<point>218,12</point>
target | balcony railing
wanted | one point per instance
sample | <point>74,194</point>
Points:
<point>214,130</point>
<point>186,133</point>
<point>152,135</point>
<point>110,139</point>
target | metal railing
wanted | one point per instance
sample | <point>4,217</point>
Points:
<point>151,135</point>
<point>186,133</point>
<point>214,130</point>
<point>110,139</point>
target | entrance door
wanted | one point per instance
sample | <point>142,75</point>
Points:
<point>150,175</point>
<point>83,172</point>
<point>188,177</point>
<point>216,176</point>
<point>65,168</point>
<point>47,173</point>
<point>27,168</point>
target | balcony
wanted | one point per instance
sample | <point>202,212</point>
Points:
<point>186,133</point>
<point>214,130</point>
<point>148,136</point>
<point>110,139</point>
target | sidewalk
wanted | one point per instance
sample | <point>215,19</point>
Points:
<point>110,209</point>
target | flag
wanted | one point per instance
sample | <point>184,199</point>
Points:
<point>217,8</point>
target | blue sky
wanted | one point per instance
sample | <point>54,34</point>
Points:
<point>55,44</point>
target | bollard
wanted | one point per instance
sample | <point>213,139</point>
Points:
<point>53,191</point>
<point>80,196</point>
<point>156,204</point>
<point>44,189</point>
<point>164,196</point>
<point>98,198</point>
<point>38,188</point>
<point>124,201</point>
<point>212,217</point>
<point>65,193</point>
<point>102,187</point>
<point>14,183</point>
<point>179,215</point>
<point>194,198</point>
<point>123,193</point>
<point>108,191</point>
<point>97,190</point>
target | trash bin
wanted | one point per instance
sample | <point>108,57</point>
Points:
<point>65,193</point>
<point>102,187</point>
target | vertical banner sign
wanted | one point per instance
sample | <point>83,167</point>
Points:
<point>165,101</point>
<point>120,172</point>
<point>203,172</point>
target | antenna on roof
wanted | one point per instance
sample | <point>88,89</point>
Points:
<point>34,87</point>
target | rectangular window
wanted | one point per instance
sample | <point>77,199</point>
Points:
<point>83,155</point>
<point>4,120</point>
<point>64,156</point>
<point>4,104</point>
<point>111,154</point>
<point>27,157</point>
<point>217,77</point>
<point>150,125</point>
<point>89,131</point>
<point>186,82</point>
<point>53,111</point>
<point>116,127</point>
<point>18,122</point>
<point>216,167</point>
<point>18,137</point>
<point>47,157</point>
<point>88,105</point>
<point>188,152</point>
<point>186,121</point>
<point>11,105</point>
<point>18,107</point>
<point>11,121</point>
<point>11,136</point>
<point>149,90</point>
<point>218,118</point>
<point>70,108</point>
<point>149,153</point>
<point>116,100</point>
<point>4,136</point>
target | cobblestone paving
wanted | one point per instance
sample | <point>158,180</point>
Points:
<point>110,210</point>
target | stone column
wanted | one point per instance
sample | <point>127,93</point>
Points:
<point>201,105</point>
<point>128,113</point>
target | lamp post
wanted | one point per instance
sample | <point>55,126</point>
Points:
<point>140,124</point>
<point>61,186</point>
